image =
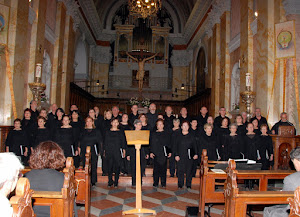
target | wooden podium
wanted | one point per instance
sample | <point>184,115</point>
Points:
<point>138,138</point>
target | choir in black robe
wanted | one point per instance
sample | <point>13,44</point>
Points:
<point>17,140</point>
<point>94,139</point>
<point>78,127</point>
<point>41,135</point>
<point>182,119</point>
<point>28,126</point>
<point>185,148</point>
<point>196,133</point>
<point>65,137</point>
<point>265,148</point>
<point>34,115</point>
<point>261,121</point>
<point>251,146</point>
<point>160,147</point>
<point>210,143</point>
<point>152,118</point>
<point>257,131</point>
<point>233,146</point>
<point>114,144</point>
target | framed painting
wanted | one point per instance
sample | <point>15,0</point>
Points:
<point>285,44</point>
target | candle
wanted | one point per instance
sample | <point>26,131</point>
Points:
<point>239,64</point>
<point>247,79</point>
<point>38,70</point>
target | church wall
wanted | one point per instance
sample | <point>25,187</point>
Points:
<point>235,18</point>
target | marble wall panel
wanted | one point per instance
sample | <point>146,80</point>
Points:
<point>235,18</point>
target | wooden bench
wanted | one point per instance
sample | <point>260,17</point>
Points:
<point>22,202</point>
<point>61,202</point>
<point>83,181</point>
<point>210,180</point>
<point>236,201</point>
<point>295,203</point>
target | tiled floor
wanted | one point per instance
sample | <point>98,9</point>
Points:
<point>169,201</point>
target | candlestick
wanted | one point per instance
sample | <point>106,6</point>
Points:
<point>38,70</point>
<point>248,80</point>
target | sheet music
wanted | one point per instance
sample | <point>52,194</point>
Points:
<point>21,147</point>
<point>73,153</point>
<point>189,153</point>
<point>218,171</point>
<point>165,151</point>
<point>121,153</point>
<point>96,151</point>
<point>258,155</point>
<point>218,153</point>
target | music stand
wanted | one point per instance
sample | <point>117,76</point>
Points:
<point>138,138</point>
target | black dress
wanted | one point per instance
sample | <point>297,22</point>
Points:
<point>114,144</point>
<point>41,135</point>
<point>168,122</point>
<point>65,138</point>
<point>17,140</point>
<point>210,143</point>
<point>251,146</point>
<point>185,148</point>
<point>160,147</point>
<point>78,127</point>
<point>221,133</point>
<point>241,130</point>
<point>265,148</point>
<point>29,126</point>
<point>132,118</point>
<point>94,139</point>
<point>232,147</point>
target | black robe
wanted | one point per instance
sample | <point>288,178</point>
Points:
<point>113,142</point>
<point>15,139</point>
<point>41,135</point>
<point>210,143</point>
<point>251,146</point>
<point>160,146</point>
<point>65,137</point>
<point>265,148</point>
<point>233,146</point>
<point>29,126</point>
<point>241,130</point>
<point>168,122</point>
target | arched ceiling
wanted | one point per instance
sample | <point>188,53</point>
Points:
<point>182,9</point>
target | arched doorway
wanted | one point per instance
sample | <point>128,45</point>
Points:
<point>46,75</point>
<point>235,86</point>
<point>200,70</point>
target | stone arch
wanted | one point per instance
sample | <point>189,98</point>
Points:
<point>200,69</point>
<point>235,86</point>
<point>81,60</point>
<point>47,74</point>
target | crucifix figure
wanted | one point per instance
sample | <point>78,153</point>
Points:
<point>141,63</point>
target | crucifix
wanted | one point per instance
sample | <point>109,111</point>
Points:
<point>141,63</point>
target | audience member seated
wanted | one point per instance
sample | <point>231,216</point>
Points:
<point>283,122</point>
<point>45,161</point>
<point>290,183</point>
<point>10,167</point>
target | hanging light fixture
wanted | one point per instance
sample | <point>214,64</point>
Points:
<point>144,8</point>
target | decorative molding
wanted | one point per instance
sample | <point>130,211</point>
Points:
<point>181,57</point>
<point>101,54</point>
<point>31,15</point>
<point>234,43</point>
<point>90,11</point>
<point>49,34</point>
<point>291,6</point>
<point>73,11</point>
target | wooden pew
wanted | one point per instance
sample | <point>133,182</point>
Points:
<point>22,202</point>
<point>295,204</point>
<point>209,180</point>
<point>83,181</point>
<point>61,202</point>
<point>236,201</point>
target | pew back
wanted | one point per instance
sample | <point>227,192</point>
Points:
<point>22,202</point>
<point>61,203</point>
<point>236,201</point>
<point>295,203</point>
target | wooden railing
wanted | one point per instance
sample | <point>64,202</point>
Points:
<point>4,130</point>
<point>85,100</point>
